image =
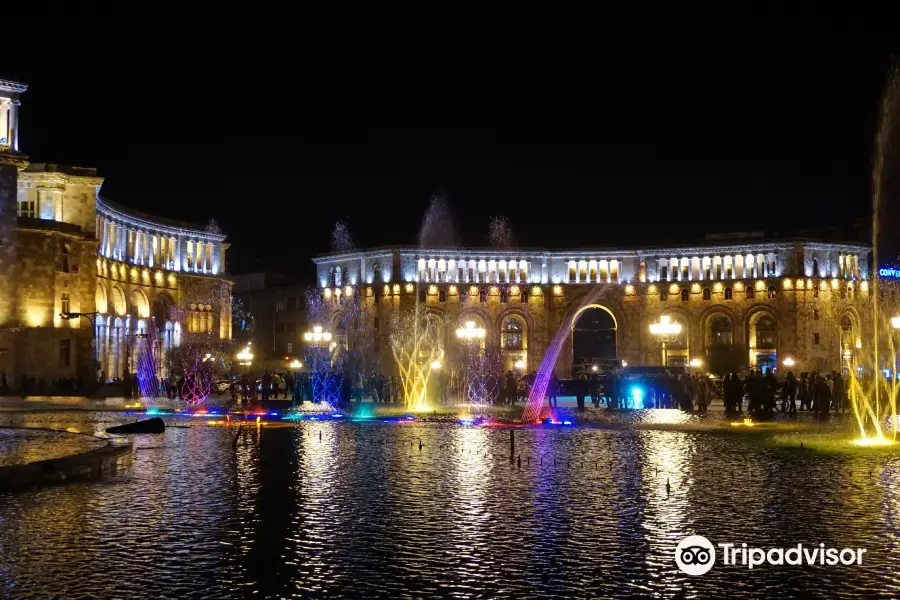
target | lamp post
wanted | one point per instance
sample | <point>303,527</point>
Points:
<point>666,332</point>
<point>319,360</point>
<point>317,337</point>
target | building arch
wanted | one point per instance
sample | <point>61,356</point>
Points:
<point>100,299</point>
<point>140,304</point>
<point>761,330</point>
<point>119,305</point>
<point>595,333</point>
<point>163,308</point>
<point>479,315</point>
<point>708,324</point>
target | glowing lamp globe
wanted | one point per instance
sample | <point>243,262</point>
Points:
<point>788,362</point>
<point>895,322</point>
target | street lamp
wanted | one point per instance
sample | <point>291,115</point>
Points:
<point>788,362</point>
<point>435,365</point>
<point>296,364</point>
<point>317,337</point>
<point>470,332</point>
<point>895,322</point>
<point>519,364</point>
<point>244,357</point>
<point>696,363</point>
<point>666,332</point>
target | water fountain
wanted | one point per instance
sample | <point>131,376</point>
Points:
<point>874,402</point>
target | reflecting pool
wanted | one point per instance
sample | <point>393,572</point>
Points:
<point>324,509</point>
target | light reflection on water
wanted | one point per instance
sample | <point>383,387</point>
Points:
<point>363,512</point>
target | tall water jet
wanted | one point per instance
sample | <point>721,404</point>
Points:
<point>416,340</point>
<point>871,404</point>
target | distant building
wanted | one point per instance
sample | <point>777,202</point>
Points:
<point>86,283</point>
<point>766,296</point>
<point>275,303</point>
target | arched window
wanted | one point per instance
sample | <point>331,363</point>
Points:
<point>815,267</point>
<point>663,295</point>
<point>663,273</point>
<point>850,292</point>
<point>512,334</point>
<point>422,293</point>
<point>504,295</point>
<point>706,294</point>
<point>815,314</point>
<point>765,332</point>
<point>847,341</point>
<point>720,330</point>
<point>442,296</point>
<point>773,291</point>
<point>750,292</point>
<point>62,258</point>
<point>482,295</point>
<point>685,295</point>
<point>728,293</point>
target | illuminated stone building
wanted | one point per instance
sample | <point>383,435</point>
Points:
<point>82,278</point>
<point>772,299</point>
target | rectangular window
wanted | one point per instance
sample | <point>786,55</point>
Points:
<point>27,208</point>
<point>290,347</point>
<point>190,255</point>
<point>209,249</point>
<point>64,303</point>
<point>816,338</point>
<point>279,305</point>
<point>65,348</point>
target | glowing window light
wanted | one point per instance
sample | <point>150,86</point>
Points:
<point>514,290</point>
<point>760,285</point>
<point>895,322</point>
<point>452,290</point>
<point>397,288</point>
<point>673,289</point>
<point>834,284</point>
<point>432,290</point>
<point>629,290</point>
<point>387,290</point>
<point>788,284</point>
<point>409,288</point>
<point>327,292</point>
<point>557,290</point>
<point>337,292</point>
<point>348,290</point>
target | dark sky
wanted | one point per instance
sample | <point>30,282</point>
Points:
<point>583,129</point>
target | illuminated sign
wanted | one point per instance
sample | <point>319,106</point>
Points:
<point>892,273</point>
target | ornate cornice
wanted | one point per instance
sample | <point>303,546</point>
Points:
<point>14,159</point>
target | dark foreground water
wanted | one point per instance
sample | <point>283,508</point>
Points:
<point>362,512</point>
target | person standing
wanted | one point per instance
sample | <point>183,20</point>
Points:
<point>266,385</point>
<point>553,390</point>
<point>789,394</point>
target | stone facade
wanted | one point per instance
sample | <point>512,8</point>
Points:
<point>86,283</point>
<point>775,300</point>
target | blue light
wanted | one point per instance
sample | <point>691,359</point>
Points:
<point>637,396</point>
<point>152,411</point>
<point>567,422</point>
<point>465,421</point>
<point>548,421</point>
<point>337,416</point>
<point>273,414</point>
<point>892,273</point>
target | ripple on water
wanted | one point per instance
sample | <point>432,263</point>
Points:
<point>364,513</point>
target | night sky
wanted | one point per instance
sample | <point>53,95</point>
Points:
<point>584,130</point>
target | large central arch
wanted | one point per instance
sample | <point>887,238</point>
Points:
<point>594,335</point>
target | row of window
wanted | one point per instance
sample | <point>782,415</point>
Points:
<point>728,293</point>
<point>287,304</point>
